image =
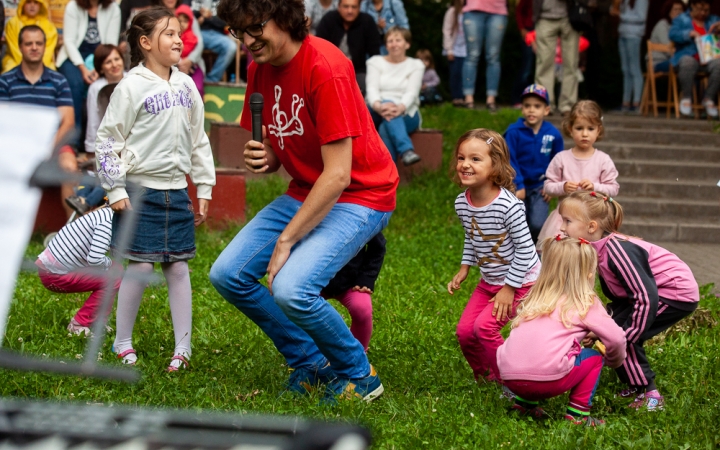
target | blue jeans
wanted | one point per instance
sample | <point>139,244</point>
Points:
<point>632,74</point>
<point>536,211</point>
<point>78,89</point>
<point>225,48</point>
<point>304,327</point>
<point>489,29</point>
<point>456,77</point>
<point>663,66</point>
<point>395,133</point>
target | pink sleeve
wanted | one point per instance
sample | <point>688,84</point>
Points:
<point>610,334</point>
<point>607,181</point>
<point>554,181</point>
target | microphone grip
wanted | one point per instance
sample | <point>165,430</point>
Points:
<point>257,126</point>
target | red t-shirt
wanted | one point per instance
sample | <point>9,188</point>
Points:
<point>314,100</point>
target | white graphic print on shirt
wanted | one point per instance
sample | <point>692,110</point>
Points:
<point>281,126</point>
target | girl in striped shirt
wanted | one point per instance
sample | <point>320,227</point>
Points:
<point>66,264</point>
<point>497,240</point>
<point>649,288</point>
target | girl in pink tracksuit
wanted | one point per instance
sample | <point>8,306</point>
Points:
<point>542,357</point>
<point>650,288</point>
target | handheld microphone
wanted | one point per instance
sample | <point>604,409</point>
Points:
<point>256,107</point>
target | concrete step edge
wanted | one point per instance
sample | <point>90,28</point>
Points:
<point>660,181</point>
<point>668,163</point>
<point>637,199</point>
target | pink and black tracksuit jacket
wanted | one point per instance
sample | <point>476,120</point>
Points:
<point>650,290</point>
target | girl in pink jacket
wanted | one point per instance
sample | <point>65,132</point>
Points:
<point>582,167</point>
<point>542,357</point>
<point>650,289</point>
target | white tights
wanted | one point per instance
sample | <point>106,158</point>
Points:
<point>131,291</point>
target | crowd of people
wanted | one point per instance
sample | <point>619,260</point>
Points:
<point>323,238</point>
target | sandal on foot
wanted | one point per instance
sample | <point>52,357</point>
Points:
<point>183,364</point>
<point>126,358</point>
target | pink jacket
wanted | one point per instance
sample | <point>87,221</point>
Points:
<point>543,349</point>
<point>487,6</point>
<point>599,169</point>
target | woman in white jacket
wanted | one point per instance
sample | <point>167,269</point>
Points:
<point>87,24</point>
<point>150,139</point>
<point>393,95</point>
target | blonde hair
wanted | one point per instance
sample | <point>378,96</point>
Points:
<point>588,110</point>
<point>567,268</point>
<point>502,172</point>
<point>595,206</point>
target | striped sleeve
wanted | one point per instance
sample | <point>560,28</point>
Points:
<point>100,241</point>
<point>4,90</point>
<point>525,253</point>
<point>629,263</point>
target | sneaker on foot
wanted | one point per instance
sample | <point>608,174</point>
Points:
<point>305,380</point>
<point>78,204</point>
<point>638,402</point>
<point>588,421</point>
<point>410,157</point>
<point>75,328</point>
<point>366,389</point>
<point>535,412</point>
<point>628,392</point>
<point>649,401</point>
<point>710,108</point>
<point>686,107</point>
<point>507,394</point>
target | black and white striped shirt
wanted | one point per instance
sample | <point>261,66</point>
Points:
<point>497,239</point>
<point>81,243</point>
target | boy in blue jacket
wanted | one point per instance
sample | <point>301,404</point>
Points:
<point>533,143</point>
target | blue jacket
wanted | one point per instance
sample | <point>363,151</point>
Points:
<point>680,35</point>
<point>393,11</point>
<point>530,154</point>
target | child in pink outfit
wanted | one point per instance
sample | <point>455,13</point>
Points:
<point>353,285</point>
<point>583,167</point>
<point>543,357</point>
<point>78,246</point>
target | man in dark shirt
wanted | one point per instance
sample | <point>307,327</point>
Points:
<point>354,33</point>
<point>31,82</point>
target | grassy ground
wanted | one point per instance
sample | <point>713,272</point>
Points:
<point>430,400</point>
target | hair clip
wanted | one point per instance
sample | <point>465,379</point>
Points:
<point>490,140</point>
<point>583,241</point>
<point>559,237</point>
<point>594,194</point>
<point>609,199</point>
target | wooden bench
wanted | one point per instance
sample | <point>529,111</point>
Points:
<point>228,140</point>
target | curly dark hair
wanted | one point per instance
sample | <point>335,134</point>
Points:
<point>503,173</point>
<point>289,15</point>
<point>144,25</point>
<point>668,6</point>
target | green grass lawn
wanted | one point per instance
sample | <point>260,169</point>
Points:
<point>430,398</point>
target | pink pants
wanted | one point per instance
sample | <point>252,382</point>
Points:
<point>75,282</point>
<point>581,382</point>
<point>359,305</point>
<point>479,332</point>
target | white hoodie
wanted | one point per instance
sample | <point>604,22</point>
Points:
<point>152,134</point>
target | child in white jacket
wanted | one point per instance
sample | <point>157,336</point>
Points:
<point>152,136</point>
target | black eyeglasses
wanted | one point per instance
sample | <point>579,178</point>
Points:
<point>255,30</point>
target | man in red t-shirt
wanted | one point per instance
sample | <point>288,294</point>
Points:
<point>341,195</point>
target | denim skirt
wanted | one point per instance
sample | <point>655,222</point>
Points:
<point>165,229</point>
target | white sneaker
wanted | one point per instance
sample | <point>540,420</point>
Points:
<point>686,107</point>
<point>710,108</point>
<point>75,328</point>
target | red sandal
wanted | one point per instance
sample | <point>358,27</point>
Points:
<point>184,364</point>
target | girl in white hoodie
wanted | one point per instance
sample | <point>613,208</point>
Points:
<point>151,137</point>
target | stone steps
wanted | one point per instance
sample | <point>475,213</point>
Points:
<point>670,230</point>
<point>668,170</point>
<point>669,208</point>
<point>654,188</point>
<point>624,150</point>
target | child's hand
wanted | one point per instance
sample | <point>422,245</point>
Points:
<point>503,303</point>
<point>364,289</point>
<point>569,187</point>
<point>587,185</point>
<point>545,196</point>
<point>201,215</point>
<point>121,205</point>
<point>457,280</point>
<point>520,194</point>
<point>589,340</point>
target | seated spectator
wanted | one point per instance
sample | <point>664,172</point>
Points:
<point>393,94</point>
<point>697,21</point>
<point>192,59</point>
<point>109,65</point>
<point>430,80</point>
<point>661,33</point>
<point>87,24</point>
<point>212,30</point>
<point>190,43</point>
<point>354,33</point>
<point>29,12</point>
<point>315,10</point>
<point>386,14</point>
<point>31,82</point>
